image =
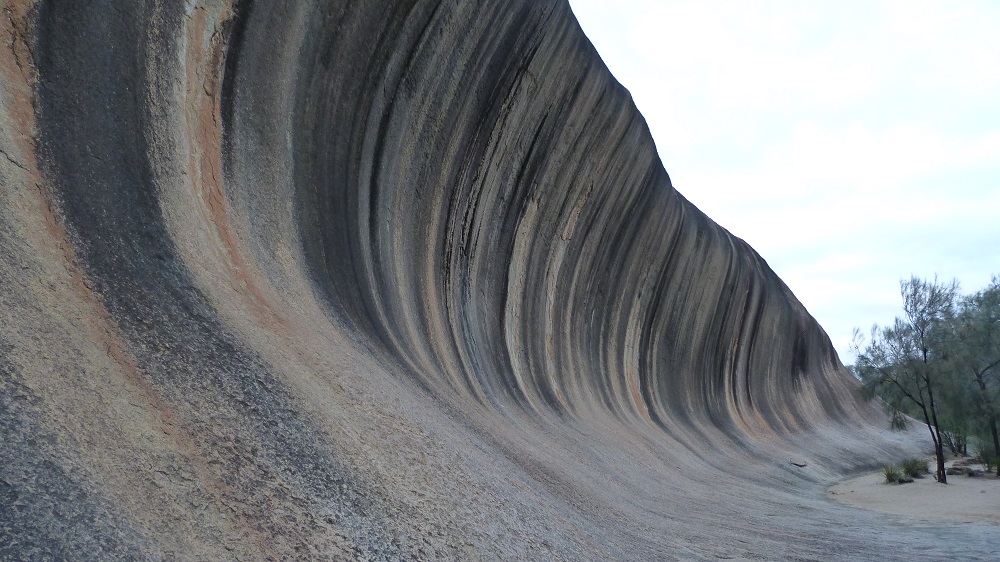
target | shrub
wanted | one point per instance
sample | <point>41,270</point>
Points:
<point>914,468</point>
<point>989,461</point>
<point>892,474</point>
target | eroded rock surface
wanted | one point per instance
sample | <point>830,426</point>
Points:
<point>388,280</point>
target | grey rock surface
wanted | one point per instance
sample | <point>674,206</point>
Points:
<point>390,280</point>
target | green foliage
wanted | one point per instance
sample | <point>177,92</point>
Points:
<point>905,364</point>
<point>938,363</point>
<point>896,475</point>
<point>892,474</point>
<point>914,468</point>
<point>987,457</point>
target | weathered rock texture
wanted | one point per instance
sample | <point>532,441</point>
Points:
<point>327,279</point>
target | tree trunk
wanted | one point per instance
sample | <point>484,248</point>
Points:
<point>993,420</point>
<point>935,431</point>
<point>996,442</point>
<point>942,473</point>
<point>938,448</point>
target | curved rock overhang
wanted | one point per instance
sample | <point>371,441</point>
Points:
<point>383,280</point>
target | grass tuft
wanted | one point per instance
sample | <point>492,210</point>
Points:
<point>892,474</point>
<point>914,468</point>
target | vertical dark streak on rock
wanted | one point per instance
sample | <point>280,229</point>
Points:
<point>232,30</point>
<point>498,330</point>
<point>109,197</point>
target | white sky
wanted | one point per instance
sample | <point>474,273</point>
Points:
<point>851,143</point>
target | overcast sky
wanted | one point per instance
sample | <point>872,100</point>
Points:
<point>850,143</point>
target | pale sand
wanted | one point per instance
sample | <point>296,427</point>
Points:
<point>962,500</point>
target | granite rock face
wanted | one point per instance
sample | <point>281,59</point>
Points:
<point>387,280</point>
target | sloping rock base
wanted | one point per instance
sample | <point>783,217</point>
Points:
<point>388,280</point>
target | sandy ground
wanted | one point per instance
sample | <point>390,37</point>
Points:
<point>962,500</point>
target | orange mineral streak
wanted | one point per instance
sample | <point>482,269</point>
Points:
<point>18,78</point>
<point>17,69</point>
<point>19,75</point>
<point>205,65</point>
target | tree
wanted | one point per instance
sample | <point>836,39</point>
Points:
<point>977,358</point>
<point>906,364</point>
